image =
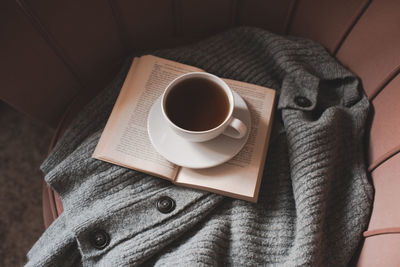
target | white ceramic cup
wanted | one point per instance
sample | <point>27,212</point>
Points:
<point>231,126</point>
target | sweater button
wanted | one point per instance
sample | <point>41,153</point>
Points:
<point>302,101</point>
<point>100,239</point>
<point>165,204</point>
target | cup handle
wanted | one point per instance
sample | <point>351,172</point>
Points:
<point>236,129</point>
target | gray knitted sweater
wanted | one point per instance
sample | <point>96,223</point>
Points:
<point>314,201</point>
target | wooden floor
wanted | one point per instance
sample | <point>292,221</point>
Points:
<point>23,146</point>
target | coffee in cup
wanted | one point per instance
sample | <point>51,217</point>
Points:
<point>199,106</point>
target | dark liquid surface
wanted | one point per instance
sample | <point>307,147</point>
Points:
<point>197,104</point>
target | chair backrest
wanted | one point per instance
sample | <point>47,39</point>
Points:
<point>51,51</point>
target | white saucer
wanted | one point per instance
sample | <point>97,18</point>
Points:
<point>196,155</point>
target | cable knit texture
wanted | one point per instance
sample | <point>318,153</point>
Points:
<point>314,201</point>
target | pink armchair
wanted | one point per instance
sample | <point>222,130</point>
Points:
<point>56,55</point>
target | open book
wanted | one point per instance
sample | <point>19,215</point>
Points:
<point>125,139</point>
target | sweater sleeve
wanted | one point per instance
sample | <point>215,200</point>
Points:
<point>56,247</point>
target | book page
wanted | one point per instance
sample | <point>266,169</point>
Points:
<point>125,140</point>
<point>241,176</point>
